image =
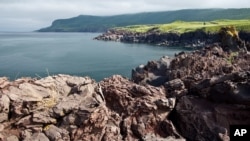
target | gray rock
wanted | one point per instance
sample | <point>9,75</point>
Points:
<point>175,88</point>
<point>37,137</point>
<point>66,105</point>
<point>12,138</point>
<point>43,117</point>
<point>25,121</point>
<point>166,104</point>
<point>4,82</point>
<point>4,107</point>
<point>79,81</point>
<point>28,92</point>
<point>154,73</point>
<point>54,133</point>
<point>26,134</point>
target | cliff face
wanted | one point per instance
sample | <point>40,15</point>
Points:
<point>197,38</point>
<point>191,39</point>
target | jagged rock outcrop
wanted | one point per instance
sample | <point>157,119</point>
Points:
<point>198,65</point>
<point>58,107</point>
<point>141,111</point>
<point>211,87</point>
<point>72,108</point>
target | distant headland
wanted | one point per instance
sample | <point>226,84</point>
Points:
<point>88,23</point>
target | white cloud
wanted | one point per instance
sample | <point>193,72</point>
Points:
<point>34,14</point>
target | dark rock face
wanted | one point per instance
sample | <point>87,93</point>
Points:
<point>200,119</point>
<point>192,39</point>
<point>211,87</point>
<point>230,39</point>
<point>244,36</point>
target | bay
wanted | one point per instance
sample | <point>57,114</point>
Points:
<point>41,54</point>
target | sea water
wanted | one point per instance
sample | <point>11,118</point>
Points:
<point>41,54</point>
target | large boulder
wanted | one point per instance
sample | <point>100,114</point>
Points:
<point>154,73</point>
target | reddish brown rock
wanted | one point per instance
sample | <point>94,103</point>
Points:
<point>204,81</point>
<point>142,109</point>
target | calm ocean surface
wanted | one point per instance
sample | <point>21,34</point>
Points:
<point>32,54</point>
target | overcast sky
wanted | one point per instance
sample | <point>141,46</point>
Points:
<point>29,15</point>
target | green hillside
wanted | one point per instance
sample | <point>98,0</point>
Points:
<point>181,26</point>
<point>85,23</point>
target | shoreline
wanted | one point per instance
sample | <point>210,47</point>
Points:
<point>194,39</point>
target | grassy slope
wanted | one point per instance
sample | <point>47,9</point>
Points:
<point>85,23</point>
<point>181,26</point>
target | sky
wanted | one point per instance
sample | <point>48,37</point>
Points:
<point>30,15</point>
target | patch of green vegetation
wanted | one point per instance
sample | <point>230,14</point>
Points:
<point>182,26</point>
<point>137,28</point>
<point>231,57</point>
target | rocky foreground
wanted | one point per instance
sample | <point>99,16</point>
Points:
<point>194,96</point>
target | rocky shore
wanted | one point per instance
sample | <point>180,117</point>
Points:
<point>193,39</point>
<point>195,96</point>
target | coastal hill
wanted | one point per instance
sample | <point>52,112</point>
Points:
<point>88,23</point>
